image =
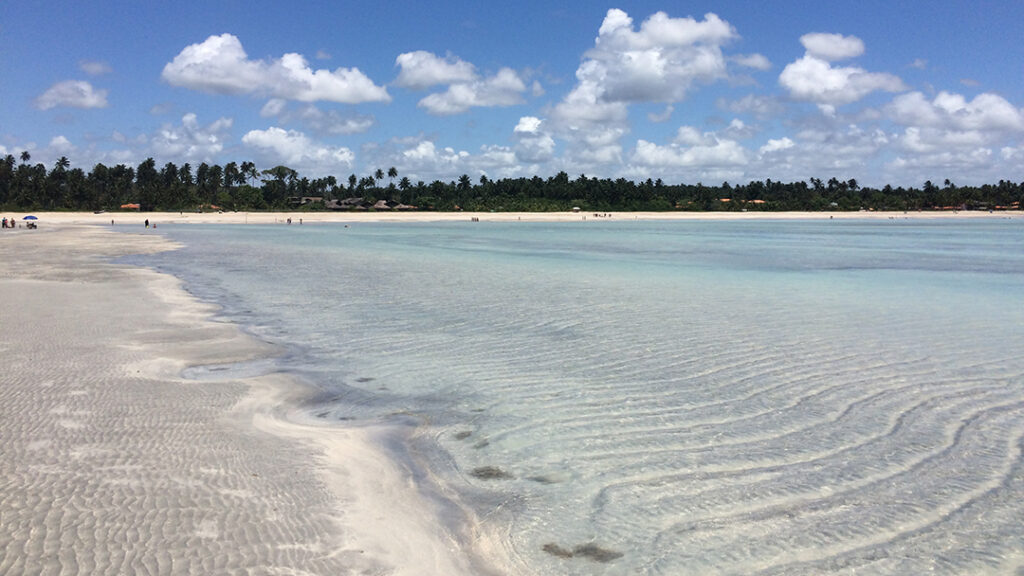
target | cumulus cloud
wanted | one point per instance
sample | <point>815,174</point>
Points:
<point>422,69</point>
<point>776,145</point>
<point>220,65</point>
<point>533,143</point>
<point>814,78</point>
<point>191,141</point>
<point>691,148</point>
<point>832,47</point>
<point>503,89</point>
<point>952,133</point>
<point>466,88</point>
<point>660,61</point>
<point>297,151</point>
<point>61,145</point>
<point>987,112</point>
<point>73,94</point>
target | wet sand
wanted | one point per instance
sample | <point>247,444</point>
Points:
<point>113,463</point>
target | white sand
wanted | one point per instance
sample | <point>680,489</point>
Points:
<point>111,463</point>
<point>138,218</point>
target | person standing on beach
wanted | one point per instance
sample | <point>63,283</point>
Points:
<point>147,222</point>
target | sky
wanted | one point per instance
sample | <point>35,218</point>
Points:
<point>882,92</point>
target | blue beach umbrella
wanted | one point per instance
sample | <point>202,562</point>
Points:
<point>30,218</point>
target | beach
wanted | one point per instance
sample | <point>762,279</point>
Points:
<point>113,463</point>
<point>300,218</point>
<point>686,394</point>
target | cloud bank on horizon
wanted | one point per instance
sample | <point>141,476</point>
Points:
<point>670,97</point>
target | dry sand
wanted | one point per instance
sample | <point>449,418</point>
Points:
<point>112,463</point>
<point>137,218</point>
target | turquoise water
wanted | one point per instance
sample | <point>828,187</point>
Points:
<point>777,397</point>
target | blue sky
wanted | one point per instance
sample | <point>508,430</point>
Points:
<point>884,92</point>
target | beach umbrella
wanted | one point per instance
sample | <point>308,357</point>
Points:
<point>30,218</point>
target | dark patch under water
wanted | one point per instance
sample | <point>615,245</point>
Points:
<point>463,435</point>
<point>491,473</point>
<point>589,551</point>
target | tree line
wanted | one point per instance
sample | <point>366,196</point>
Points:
<point>241,186</point>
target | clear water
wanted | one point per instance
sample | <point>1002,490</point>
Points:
<point>769,397</point>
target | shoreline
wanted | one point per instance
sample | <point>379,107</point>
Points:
<point>137,218</point>
<point>103,431</point>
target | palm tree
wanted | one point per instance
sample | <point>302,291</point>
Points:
<point>63,163</point>
<point>25,157</point>
<point>392,174</point>
<point>249,169</point>
<point>378,175</point>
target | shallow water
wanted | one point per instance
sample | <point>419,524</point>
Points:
<point>670,397</point>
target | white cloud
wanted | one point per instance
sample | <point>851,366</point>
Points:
<point>756,61</point>
<point>190,141</point>
<point>988,112</point>
<point>528,125</point>
<point>94,68</point>
<point>832,47</point>
<point>297,151</point>
<point>220,65</point>
<point>61,145</point>
<point>466,88</point>
<point>73,94</point>
<point>817,81</point>
<point>659,62</point>
<point>533,143</point>
<point>813,78</point>
<point>422,69</point>
<point>691,149</point>
<point>776,145</point>
<point>503,89</point>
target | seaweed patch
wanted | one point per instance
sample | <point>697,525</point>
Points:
<point>590,551</point>
<point>490,473</point>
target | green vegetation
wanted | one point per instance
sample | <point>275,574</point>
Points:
<point>24,186</point>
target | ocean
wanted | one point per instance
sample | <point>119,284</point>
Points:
<point>668,397</point>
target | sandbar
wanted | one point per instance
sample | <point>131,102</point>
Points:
<point>112,462</point>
